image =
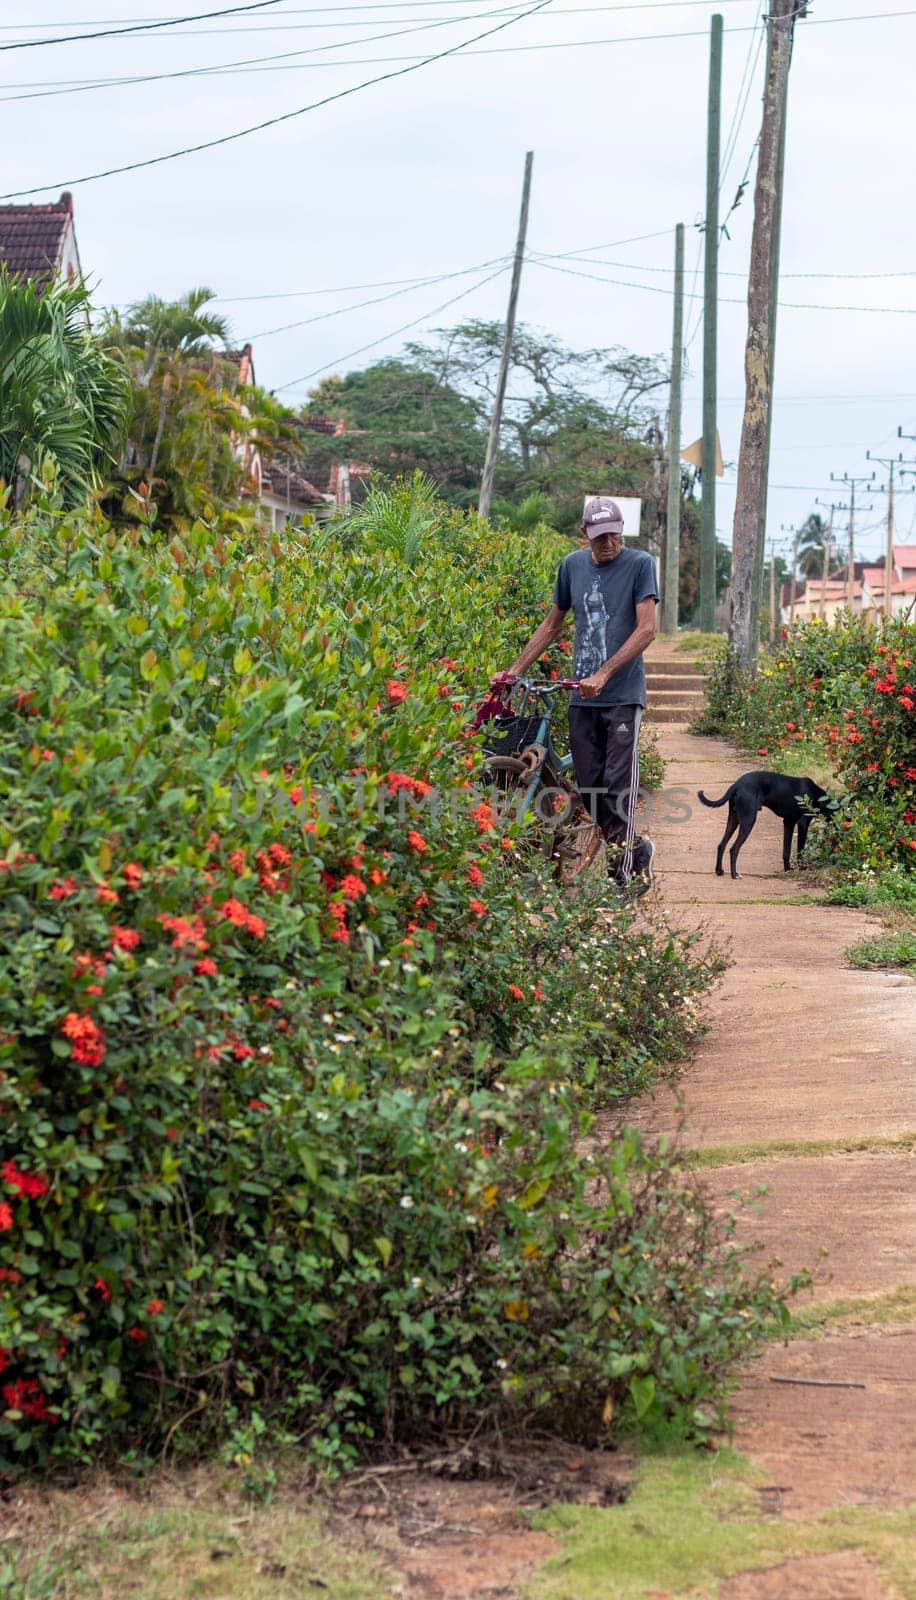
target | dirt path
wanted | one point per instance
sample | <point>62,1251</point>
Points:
<point>805,1083</point>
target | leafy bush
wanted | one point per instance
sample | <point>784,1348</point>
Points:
<point>842,692</point>
<point>293,1068</point>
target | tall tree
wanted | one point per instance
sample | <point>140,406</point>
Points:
<point>811,539</point>
<point>62,393</point>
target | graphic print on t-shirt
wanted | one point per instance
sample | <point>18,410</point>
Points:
<point>592,642</point>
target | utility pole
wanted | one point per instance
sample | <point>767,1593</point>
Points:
<point>784,529</point>
<point>489,466</point>
<point>753,457</point>
<point>891,462</point>
<point>772,590</point>
<point>800,11</point>
<point>835,505</point>
<point>707,610</point>
<point>852,483</point>
<point>671,583</point>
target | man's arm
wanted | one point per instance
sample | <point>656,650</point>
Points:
<point>639,640</point>
<point>541,640</point>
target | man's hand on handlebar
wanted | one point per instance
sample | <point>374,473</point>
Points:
<point>590,687</point>
<point>503,680</point>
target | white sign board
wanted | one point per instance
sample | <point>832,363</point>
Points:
<point>631,509</point>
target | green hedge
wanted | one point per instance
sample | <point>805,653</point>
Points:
<point>293,1086</point>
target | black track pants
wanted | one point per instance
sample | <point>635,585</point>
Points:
<point>604,742</point>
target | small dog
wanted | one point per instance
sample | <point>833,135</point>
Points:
<point>796,800</point>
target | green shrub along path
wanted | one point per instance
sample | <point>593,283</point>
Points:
<point>805,1084</point>
<point>298,1041</point>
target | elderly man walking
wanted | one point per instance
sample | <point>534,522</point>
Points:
<point>612,592</point>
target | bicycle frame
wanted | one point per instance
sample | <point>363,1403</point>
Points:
<point>525,693</point>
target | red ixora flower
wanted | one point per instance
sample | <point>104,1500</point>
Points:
<point>416,841</point>
<point>905,701</point>
<point>24,1395</point>
<point>102,1289</point>
<point>258,1105</point>
<point>183,932</point>
<point>125,938</point>
<point>155,1306</point>
<point>396,691</point>
<point>515,991</point>
<point>26,1183</point>
<point>6,1216</point>
<point>133,875</point>
<point>108,896</point>
<point>206,968</point>
<point>137,1334</point>
<point>86,1038</point>
<point>233,911</point>
<point>62,889</point>
<point>351,887</point>
<point>474,876</point>
<point>478,908</point>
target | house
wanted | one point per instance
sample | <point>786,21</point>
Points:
<point>285,495</point>
<point>342,474</point>
<point>287,498</point>
<point>39,242</point>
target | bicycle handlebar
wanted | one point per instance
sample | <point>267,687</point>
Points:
<point>548,686</point>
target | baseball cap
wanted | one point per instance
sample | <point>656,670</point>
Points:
<point>602,515</point>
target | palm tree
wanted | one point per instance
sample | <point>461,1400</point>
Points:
<point>63,395</point>
<point>166,333</point>
<point>812,536</point>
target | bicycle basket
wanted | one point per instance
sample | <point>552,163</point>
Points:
<point>509,735</point>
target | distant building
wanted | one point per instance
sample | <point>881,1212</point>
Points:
<point>39,242</point>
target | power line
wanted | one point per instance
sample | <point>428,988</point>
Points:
<point>424,283</point>
<point>790,305</point>
<point>744,89</point>
<point>414,64</point>
<point>78,86</point>
<point>389,5</point>
<point>144,27</point>
<point>351,354</point>
<point>286,116</point>
<point>638,266</point>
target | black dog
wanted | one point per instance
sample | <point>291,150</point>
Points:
<point>796,800</point>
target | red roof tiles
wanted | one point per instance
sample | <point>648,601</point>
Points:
<point>32,238</point>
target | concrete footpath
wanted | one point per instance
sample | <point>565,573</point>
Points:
<point>805,1083</point>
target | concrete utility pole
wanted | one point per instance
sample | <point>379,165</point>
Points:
<point>891,462</point>
<point>772,590</point>
<point>489,466</point>
<point>707,608</point>
<point>835,505</point>
<point>763,282</point>
<point>671,582</point>
<point>852,485</point>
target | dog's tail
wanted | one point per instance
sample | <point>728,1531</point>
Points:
<point>725,798</point>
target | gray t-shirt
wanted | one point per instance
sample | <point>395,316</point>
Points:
<point>603,601</point>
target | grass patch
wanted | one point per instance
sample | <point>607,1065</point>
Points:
<point>893,951</point>
<point>693,1521</point>
<point>699,644</point>
<point>733,1155</point>
<point>176,1538</point>
<point>897,1305</point>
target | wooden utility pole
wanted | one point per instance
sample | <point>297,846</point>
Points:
<point>489,466</point>
<point>852,485</point>
<point>891,462</point>
<point>761,302</point>
<point>828,551</point>
<point>707,608</point>
<point>671,583</point>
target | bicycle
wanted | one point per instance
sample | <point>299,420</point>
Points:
<point>521,757</point>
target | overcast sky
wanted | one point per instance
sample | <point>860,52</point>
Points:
<point>421,176</point>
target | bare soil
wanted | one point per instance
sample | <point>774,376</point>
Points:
<point>843,1575</point>
<point>459,1529</point>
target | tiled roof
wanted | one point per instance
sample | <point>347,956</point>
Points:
<point>288,484</point>
<point>905,556</point>
<point>32,238</point>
